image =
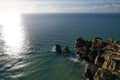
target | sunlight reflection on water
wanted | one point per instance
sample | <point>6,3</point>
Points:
<point>13,45</point>
<point>13,33</point>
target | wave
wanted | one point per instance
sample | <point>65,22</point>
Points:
<point>74,59</point>
<point>53,49</point>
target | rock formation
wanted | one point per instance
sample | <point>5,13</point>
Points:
<point>58,48</point>
<point>103,57</point>
<point>67,49</point>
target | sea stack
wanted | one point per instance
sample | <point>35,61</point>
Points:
<point>67,49</point>
<point>103,58</point>
<point>58,48</point>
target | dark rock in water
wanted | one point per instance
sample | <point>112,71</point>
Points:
<point>67,49</point>
<point>58,48</point>
<point>103,57</point>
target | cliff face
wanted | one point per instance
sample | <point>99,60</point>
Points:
<point>103,58</point>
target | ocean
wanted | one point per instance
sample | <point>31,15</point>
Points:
<point>26,49</point>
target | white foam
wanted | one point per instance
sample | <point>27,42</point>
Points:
<point>83,62</point>
<point>86,66</point>
<point>53,49</point>
<point>87,79</point>
<point>76,60</point>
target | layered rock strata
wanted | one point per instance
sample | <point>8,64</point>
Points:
<point>103,58</point>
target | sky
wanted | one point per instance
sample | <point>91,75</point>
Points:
<point>60,6</point>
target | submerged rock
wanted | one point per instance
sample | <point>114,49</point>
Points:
<point>103,57</point>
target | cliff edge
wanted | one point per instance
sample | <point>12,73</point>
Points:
<point>103,58</point>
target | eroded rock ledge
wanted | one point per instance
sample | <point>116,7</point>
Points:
<point>103,58</point>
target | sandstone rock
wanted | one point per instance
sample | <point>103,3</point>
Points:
<point>99,61</point>
<point>112,62</point>
<point>97,43</point>
<point>112,65</point>
<point>108,57</point>
<point>90,71</point>
<point>80,42</point>
<point>105,65</point>
<point>103,55</point>
<point>82,53</point>
<point>115,64</point>
<point>103,74</point>
<point>110,40</point>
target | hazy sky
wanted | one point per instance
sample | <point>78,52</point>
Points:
<point>60,6</point>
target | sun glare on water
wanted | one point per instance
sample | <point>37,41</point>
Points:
<point>12,32</point>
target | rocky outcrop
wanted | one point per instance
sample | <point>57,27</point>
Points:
<point>58,48</point>
<point>103,74</point>
<point>67,50</point>
<point>103,57</point>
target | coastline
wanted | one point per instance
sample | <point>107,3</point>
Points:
<point>103,58</point>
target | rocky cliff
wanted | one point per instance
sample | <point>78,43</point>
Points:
<point>103,58</point>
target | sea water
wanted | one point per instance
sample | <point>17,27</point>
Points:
<point>34,57</point>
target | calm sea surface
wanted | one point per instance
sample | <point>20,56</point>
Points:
<point>26,49</point>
